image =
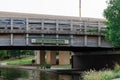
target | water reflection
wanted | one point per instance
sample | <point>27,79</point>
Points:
<point>17,74</point>
<point>12,74</point>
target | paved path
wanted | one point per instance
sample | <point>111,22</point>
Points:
<point>18,67</point>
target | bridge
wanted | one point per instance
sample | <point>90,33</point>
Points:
<point>82,36</point>
<point>18,29</point>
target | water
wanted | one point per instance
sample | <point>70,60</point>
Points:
<point>20,74</point>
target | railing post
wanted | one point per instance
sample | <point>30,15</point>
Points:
<point>71,25</point>
<point>27,39</point>
<point>85,31</point>
<point>11,39</point>
<point>27,35</point>
<point>57,25</point>
<point>11,36</point>
<point>99,31</point>
<point>42,24</point>
<point>11,24</point>
<point>27,24</point>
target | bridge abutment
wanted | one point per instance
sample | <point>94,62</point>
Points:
<point>96,61</point>
<point>40,57</point>
<point>51,57</point>
<point>64,57</point>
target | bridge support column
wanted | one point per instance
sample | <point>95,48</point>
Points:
<point>64,57</point>
<point>40,57</point>
<point>94,61</point>
<point>51,57</point>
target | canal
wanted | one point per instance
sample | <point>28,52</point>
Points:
<point>21,74</point>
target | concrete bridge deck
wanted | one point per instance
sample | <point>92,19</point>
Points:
<point>20,29</point>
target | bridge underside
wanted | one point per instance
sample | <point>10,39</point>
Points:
<point>55,48</point>
<point>97,62</point>
<point>83,58</point>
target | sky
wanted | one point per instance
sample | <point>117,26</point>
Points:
<point>89,8</point>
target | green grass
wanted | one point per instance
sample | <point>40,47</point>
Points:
<point>27,60</point>
<point>62,66</point>
<point>102,75</point>
<point>21,61</point>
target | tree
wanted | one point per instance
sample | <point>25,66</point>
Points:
<point>112,15</point>
<point>19,53</point>
<point>3,54</point>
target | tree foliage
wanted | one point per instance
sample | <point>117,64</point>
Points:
<point>5,54</point>
<point>112,15</point>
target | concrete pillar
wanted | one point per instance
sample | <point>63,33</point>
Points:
<point>64,57</point>
<point>51,57</point>
<point>40,57</point>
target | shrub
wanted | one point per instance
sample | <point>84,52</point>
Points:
<point>117,67</point>
<point>98,75</point>
<point>92,75</point>
<point>48,66</point>
<point>33,61</point>
<point>103,74</point>
<point>44,65</point>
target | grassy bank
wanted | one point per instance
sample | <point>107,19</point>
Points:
<point>62,66</point>
<point>22,61</point>
<point>103,74</point>
<point>27,60</point>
